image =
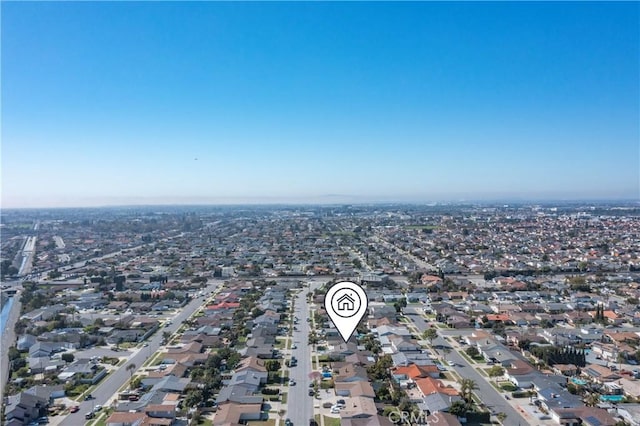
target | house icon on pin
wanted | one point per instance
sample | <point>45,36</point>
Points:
<point>346,303</point>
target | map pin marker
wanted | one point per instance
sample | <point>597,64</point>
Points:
<point>346,304</point>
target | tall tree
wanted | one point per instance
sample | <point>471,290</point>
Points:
<point>467,386</point>
<point>430,334</point>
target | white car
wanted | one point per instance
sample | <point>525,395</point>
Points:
<point>335,410</point>
<point>292,382</point>
<point>294,347</point>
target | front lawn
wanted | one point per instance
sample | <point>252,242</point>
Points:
<point>331,421</point>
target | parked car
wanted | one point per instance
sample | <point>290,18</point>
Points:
<point>292,382</point>
<point>341,403</point>
<point>89,415</point>
<point>312,392</point>
<point>288,422</point>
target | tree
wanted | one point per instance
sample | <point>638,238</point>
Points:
<point>193,398</point>
<point>458,408</point>
<point>524,344</point>
<point>496,371</point>
<point>272,365</point>
<point>430,334</point>
<point>472,351</point>
<point>380,370</point>
<point>67,357</point>
<point>501,417</point>
<point>446,350</point>
<point>13,353</point>
<point>467,386</point>
<point>131,368</point>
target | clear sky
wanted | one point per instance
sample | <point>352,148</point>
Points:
<point>160,102</point>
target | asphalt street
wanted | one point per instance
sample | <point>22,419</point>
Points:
<point>299,403</point>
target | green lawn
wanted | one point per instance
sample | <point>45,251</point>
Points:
<point>508,387</point>
<point>331,421</point>
<point>467,357</point>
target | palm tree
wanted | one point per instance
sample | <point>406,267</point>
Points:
<point>131,368</point>
<point>446,350</point>
<point>467,386</point>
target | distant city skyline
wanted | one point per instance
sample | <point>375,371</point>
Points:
<point>119,103</point>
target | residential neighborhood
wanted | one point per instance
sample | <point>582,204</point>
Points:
<point>497,314</point>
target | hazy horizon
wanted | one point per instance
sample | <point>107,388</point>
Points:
<point>312,201</point>
<point>120,103</point>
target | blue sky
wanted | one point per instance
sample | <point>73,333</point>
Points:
<point>112,102</point>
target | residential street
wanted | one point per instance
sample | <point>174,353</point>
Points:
<point>299,403</point>
<point>108,388</point>
<point>485,392</point>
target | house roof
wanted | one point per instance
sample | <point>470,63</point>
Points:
<point>414,371</point>
<point>160,407</point>
<point>428,385</point>
<point>125,417</point>
<point>359,388</point>
<point>443,419</point>
<point>231,412</point>
<point>252,363</point>
<point>359,407</point>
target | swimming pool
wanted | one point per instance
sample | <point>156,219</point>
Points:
<point>611,398</point>
<point>578,382</point>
